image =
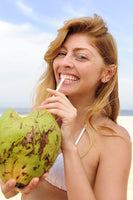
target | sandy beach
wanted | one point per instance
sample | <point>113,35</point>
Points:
<point>127,122</point>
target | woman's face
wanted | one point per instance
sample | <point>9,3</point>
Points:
<point>81,65</point>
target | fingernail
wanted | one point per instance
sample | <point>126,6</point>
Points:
<point>35,182</point>
<point>49,89</point>
<point>41,108</point>
<point>10,185</point>
<point>42,103</point>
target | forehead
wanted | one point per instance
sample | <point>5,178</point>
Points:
<point>80,41</point>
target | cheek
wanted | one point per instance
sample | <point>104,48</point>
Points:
<point>93,75</point>
<point>55,66</point>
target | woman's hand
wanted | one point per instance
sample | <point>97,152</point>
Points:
<point>9,190</point>
<point>60,106</point>
<point>33,184</point>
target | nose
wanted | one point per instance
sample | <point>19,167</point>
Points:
<point>67,61</point>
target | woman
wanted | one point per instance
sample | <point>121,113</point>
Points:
<point>95,156</point>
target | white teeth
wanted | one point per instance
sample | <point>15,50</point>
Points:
<point>68,77</point>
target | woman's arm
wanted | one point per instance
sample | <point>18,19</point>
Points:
<point>77,183</point>
<point>78,186</point>
<point>113,171</point>
<point>112,175</point>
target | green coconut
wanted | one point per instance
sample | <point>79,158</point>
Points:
<point>28,145</point>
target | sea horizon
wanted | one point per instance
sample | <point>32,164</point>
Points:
<point>26,111</point>
<point>19,110</point>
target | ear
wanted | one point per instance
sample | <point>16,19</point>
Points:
<point>108,73</point>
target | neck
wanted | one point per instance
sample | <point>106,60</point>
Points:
<point>81,103</point>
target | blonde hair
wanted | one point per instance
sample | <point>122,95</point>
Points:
<point>106,97</point>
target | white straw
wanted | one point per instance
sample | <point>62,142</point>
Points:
<point>58,87</point>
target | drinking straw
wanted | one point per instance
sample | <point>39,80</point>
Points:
<point>58,87</point>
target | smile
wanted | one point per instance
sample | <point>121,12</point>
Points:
<point>69,77</point>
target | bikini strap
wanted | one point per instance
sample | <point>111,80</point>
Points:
<point>80,136</point>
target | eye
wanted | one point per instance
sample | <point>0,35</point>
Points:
<point>61,54</point>
<point>82,57</point>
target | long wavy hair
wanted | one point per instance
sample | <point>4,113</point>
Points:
<point>106,96</point>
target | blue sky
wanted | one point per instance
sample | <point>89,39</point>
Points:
<point>27,27</point>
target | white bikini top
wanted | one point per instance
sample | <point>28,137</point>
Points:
<point>56,174</point>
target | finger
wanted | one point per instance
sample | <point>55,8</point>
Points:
<point>56,93</point>
<point>57,96</point>
<point>62,110</point>
<point>44,176</point>
<point>53,92</point>
<point>33,184</point>
<point>59,121</point>
<point>56,102</point>
<point>8,186</point>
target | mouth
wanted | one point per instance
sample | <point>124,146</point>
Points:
<point>68,77</point>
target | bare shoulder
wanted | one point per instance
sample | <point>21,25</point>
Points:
<point>115,128</point>
<point>115,161</point>
<point>120,131</point>
<point>119,143</point>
